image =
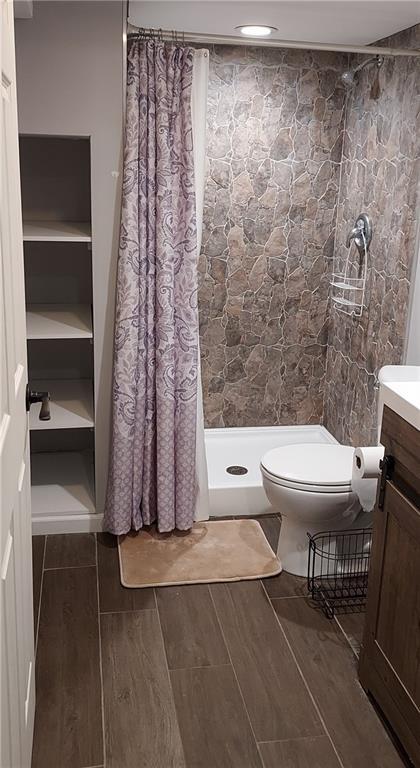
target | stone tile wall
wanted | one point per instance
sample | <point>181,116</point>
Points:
<point>380,176</point>
<point>273,350</point>
<point>275,120</point>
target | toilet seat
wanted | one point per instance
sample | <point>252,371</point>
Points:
<point>314,467</point>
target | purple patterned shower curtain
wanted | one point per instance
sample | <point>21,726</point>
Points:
<point>152,474</point>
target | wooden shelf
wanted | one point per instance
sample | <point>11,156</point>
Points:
<point>62,484</point>
<point>59,321</point>
<point>57,231</point>
<point>71,405</point>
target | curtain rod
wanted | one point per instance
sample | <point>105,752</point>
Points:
<point>199,37</point>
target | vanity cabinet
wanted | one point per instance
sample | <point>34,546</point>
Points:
<point>390,660</point>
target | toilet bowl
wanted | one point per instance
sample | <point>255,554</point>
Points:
<point>310,485</point>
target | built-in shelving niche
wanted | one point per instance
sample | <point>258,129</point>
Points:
<point>55,177</point>
<point>62,476</point>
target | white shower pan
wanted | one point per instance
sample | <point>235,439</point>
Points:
<point>241,449</point>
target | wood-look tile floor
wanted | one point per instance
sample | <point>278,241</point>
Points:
<point>239,675</point>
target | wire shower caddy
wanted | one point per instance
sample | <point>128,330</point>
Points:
<point>349,294</point>
<point>338,568</point>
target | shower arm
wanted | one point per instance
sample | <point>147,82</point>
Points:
<point>378,59</point>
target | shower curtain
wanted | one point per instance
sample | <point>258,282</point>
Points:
<point>199,115</point>
<point>153,474</point>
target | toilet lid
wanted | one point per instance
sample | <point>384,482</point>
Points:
<point>311,463</point>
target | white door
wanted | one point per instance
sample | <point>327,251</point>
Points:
<point>17,695</point>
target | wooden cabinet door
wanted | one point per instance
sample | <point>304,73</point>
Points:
<point>390,660</point>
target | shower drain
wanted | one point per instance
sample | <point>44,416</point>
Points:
<point>236,469</point>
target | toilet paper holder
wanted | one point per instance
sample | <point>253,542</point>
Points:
<point>387,465</point>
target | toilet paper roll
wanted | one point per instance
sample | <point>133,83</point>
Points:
<point>366,471</point>
<point>366,461</point>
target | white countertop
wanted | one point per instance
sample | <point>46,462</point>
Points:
<point>403,396</point>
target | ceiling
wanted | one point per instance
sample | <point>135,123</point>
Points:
<point>347,22</point>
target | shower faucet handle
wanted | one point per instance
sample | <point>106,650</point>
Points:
<point>355,233</point>
<point>361,233</point>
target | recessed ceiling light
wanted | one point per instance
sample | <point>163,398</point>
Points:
<point>256,30</point>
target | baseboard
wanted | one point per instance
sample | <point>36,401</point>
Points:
<point>67,524</point>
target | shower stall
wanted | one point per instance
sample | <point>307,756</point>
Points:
<point>305,144</point>
<point>233,461</point>
<point>298,143</point>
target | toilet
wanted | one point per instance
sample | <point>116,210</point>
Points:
<point>310,485</point>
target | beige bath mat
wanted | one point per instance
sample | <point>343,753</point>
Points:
<point>217,550</point>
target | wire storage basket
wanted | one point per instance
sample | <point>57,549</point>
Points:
<point>338,568</point>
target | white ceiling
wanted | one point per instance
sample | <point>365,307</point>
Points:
<point>347,22</point>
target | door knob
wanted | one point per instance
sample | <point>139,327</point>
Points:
<point>32,396</point>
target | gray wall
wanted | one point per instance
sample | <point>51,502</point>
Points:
<point>69,78</point>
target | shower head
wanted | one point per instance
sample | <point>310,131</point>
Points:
<point>349,77</point>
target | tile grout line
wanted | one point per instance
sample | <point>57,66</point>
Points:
<point>70,567</point>
<point>101,674</point>
<point>284,597</point>
<point>317,709</point>
<point>236,678</point>
<point>40,599</point>
<point>93,766</point>
<point>169,675</point>
<point>347,638</point>
<point>298,738</point>
<point>129,610</point>
<point>207,666</point>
